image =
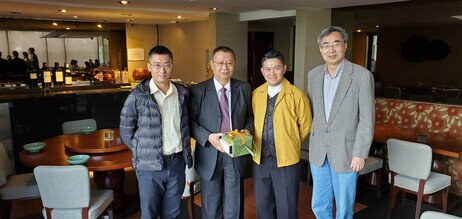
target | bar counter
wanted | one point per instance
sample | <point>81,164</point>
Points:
<point>37,113</point>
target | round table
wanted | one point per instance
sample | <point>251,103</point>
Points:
<point>107,159</point>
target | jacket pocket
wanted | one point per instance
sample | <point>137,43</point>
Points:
<point>350,137</point>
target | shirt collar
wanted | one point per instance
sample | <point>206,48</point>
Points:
<point>218,86</point>
<point>153,88</point>
<point>338,71</point>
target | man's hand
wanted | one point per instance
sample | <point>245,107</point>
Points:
<point>357,164</point>
<point>214,139</point>
<point>245,131</point>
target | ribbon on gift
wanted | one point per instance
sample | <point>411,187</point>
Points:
<point>232,135</point>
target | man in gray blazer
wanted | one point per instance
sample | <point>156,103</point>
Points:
<point>219,105</point>
<point>342,97</point>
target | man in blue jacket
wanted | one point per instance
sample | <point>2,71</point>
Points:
<point>154,125</point>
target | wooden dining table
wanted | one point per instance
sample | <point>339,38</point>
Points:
<point>108,158</point>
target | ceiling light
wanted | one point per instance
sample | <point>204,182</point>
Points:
<point>77,17</point>
<point>123,2</point>
<point>63,11</point>
<point>68,28</point>
<point>179,17</point>
<point>377,26</point>
<point>55,24</point>
<point>130,19</point>
<point>174,22</point>
<point>214,9</point>
<point>457,17</point>
<point>99,26</point>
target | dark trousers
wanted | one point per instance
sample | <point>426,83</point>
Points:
<point>161,191</point>
<point>276,189</point>
<point>226,177</point>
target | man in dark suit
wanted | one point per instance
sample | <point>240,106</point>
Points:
<point>219,105</point>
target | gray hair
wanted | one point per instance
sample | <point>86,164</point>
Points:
<point>330,30</point>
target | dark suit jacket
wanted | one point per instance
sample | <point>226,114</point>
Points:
<point>205,118</point>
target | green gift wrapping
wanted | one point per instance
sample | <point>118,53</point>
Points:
<point>237,144</point>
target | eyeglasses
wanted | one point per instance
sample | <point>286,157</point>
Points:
<point>221,64</point>
<point>335,45</point>
<point>158,66</point>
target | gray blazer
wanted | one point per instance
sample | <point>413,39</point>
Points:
<point>205,118</point>
<point>350,129</point>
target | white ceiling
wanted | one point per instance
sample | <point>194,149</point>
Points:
<point>155,11</point>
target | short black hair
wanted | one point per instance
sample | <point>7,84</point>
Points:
<point>15,54</point>
<point>32,50</point>
<point>160,50</point>
<point>272,54</point>
<point>25,54</point>
<point>224,49</point>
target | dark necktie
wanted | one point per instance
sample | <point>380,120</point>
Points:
<point>224,108</point>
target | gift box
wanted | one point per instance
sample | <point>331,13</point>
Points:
<point>237,144</point>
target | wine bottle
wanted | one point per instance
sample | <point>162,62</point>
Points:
<point>67,73</point>
<point>58,73</point>
<point>33,76</point>
<point>47,75</point>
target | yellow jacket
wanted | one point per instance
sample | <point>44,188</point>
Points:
<point>291,121</point>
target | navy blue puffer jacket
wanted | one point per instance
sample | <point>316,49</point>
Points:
<point>141,127</point>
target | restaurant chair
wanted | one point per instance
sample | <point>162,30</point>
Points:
<point>14,187</point>
<point>74,126</point>
<point>437,215</point>
<point>66,193</point>
<point>410,172</point>
<point>448,94</point>
<point>392,92</point>
<point>374,165</point>
<point>304,155</point>
<point>192,186</point>
<point>421,98</point>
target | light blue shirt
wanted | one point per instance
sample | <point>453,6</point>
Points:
<point>330,87</point>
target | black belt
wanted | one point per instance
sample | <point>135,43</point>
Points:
<point>173,156</point>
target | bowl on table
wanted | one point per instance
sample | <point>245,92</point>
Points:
<point>87,130</point>
<point>34,147</point>
<point>78,159</point>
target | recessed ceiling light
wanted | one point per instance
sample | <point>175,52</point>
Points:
<point>15,12</point>
<point>377,26</point>
<point>77,17</point>
<point>130,19</point>
<point>179,17</point>
<point>174,22</point>
<point>63,11</point>
<point>55,24</point>
<point>214,9</point>
<point>68,28</point>
<point>124,2</point>
<point>358,30</point>
<point>99,26</point>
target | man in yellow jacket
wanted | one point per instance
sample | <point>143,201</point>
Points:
<point>282,116</point>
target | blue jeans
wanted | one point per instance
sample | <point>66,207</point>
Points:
<point>327,185</point>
